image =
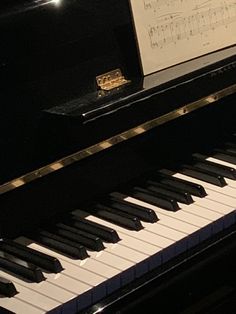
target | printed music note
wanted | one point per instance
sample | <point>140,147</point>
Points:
<point>173,31</point>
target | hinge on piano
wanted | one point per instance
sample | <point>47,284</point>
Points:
<point>111,80</point>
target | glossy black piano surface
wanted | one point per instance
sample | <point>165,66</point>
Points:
<point>65,144</point>
<point>50,56</point>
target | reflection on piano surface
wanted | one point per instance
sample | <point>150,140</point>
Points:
<point>111,200</point>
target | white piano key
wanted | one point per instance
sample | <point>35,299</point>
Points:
<point>95,283</point>
<point>227,190</point>
<point>27,295</point>
<point>169,239</point>
<point>111,274</point>
<point>221,198</point>
<point>167,219</point>
<point>216,219</point>
<point>66,300</point>
<point>124,248</point>
<point>228,212</point>
<point>154,239</point>
<point>151,242</point>
<point>62,281</point>
<point>83,292</point>
<point>202,225</point>
<point>122,274</point>
<point>144,255</point>
<point>137,259</point>
<point>126,268</point>
<point>221,162</point>
<point>135,249</point>
<point>138,246</point>
<point>162,230</point>
<point>113,277</point>
<point>211,191</point>
<point>175,221</point>
<point>15,304</point>
<point>166,247</point>
<point>203,210</point>
<point>140,260</point>
<point>180,239</point>
<point>213,218</point>
<point>198,210</point>
<point>231,182</point>
<point>130,261</point>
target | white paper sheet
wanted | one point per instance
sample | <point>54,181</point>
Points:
<point>170,32</point>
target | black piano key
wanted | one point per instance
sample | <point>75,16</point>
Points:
<point>21,268</point>
<point>225,156</point>
<point>143,213</point>
<point>105,233</point>
<point>5,311</point>
<point>231,150</point>
<point>203,175</point>
<point>30,255</point>
<point>166,176</point>
<point>7,288</point>
<point>177,194</point>
<point>122,219</point>
<point>227,149</point>
<point>225,171</point>
<point>230,146</point>
<point>62,245</point>
<point>153,198</point>
<point>89,241</point>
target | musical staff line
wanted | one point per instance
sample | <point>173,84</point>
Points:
<point>173,27</point>
<point>178,30</point>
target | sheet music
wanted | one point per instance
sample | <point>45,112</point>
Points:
<point>173,31</point>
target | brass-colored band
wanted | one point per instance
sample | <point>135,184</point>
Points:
<point>140,129</point>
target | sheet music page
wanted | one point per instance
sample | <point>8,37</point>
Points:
<point>173,31</point>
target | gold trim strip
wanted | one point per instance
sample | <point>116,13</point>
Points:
<point>140,129</point>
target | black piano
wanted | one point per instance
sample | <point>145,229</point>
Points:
<point>117,191</point>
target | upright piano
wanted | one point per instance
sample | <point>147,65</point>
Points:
<point>112,200</point>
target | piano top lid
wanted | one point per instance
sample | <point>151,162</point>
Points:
<point>50,56</point>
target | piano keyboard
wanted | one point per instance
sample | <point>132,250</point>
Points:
<point>129,233</point>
